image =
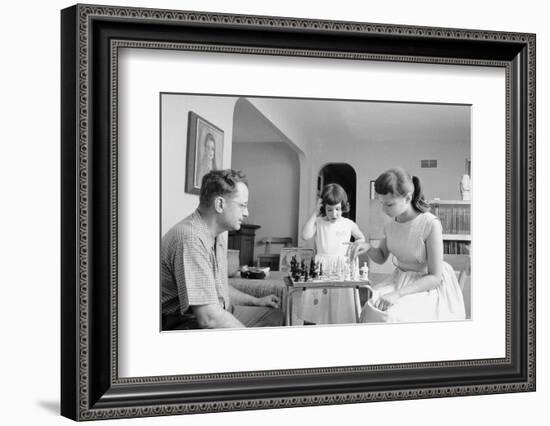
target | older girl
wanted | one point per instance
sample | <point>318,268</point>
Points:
<point>423,287</point>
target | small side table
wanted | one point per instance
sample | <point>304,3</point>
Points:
<point>292,287</point>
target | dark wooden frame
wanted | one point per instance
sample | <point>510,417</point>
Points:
<point>90,386</point>
<point>192,142</point>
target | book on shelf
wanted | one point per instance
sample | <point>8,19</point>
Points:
<point>455,217</point>
<point>456,247</point>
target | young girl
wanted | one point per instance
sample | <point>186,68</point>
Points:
<point>332,234</point>
<point>423,287</point>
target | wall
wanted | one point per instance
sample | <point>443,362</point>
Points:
<point>386,144</point>
<point>373,157</point>
<point>273,175</point>
<point>30,178</point>
<point>176,203</point>
<point>301,144</point>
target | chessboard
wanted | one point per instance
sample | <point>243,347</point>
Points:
<point>326,282</point>
<point>311,275</point>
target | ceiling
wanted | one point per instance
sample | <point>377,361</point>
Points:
<point>324,120</point>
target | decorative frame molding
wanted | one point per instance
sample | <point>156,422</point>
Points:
<point>91,37</point>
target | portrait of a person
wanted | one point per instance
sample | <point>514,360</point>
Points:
<point>204,151</point>
<point>206,160</point>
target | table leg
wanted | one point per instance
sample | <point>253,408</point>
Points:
<point>357,304</point>
<point>288,307</point>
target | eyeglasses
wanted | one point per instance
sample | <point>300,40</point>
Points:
<point>243,206</point>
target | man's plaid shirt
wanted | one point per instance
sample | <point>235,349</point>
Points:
<point>193,266</point>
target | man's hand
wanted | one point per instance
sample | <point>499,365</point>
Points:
<point>270,301</point>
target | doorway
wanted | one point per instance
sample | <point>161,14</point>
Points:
<point>344,175</point>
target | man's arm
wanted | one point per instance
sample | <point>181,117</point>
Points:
<point>214,316</point>
<point>240,298</point>
<point>197,285</point>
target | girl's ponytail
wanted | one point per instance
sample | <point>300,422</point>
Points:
<point>418,201</point>
<point>399,182</point>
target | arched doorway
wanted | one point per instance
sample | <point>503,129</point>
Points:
<point>344,175</point>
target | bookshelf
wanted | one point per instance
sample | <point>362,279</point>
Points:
<point>455,216</point>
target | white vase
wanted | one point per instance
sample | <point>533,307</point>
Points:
<point>465,187</point>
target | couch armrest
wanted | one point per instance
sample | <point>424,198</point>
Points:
<point>259,288</point>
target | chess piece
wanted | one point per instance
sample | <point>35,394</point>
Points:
<point>302,269</point>
<point>347,271</point>
<point>356,273</point>
<point>313,269</point>
<point>293,264</point>
<point>365,272</point>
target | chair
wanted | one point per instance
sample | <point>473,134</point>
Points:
<point>305,254</point>
<point>461,265</point>
<point>268,258</point>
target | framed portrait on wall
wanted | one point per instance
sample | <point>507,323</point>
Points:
<point>204,151</point>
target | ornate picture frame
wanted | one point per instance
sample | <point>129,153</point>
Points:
<point>204,150</point>
<point>92,37</point>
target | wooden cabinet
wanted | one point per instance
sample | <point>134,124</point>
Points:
<point>243,240</point>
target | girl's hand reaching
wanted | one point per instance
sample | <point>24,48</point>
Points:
<point>357,248</point>
<point>387,300</point>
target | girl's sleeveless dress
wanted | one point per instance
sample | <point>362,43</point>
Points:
<point>407,243</point>
<point>330,306</point>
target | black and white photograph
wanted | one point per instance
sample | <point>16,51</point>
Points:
<point>317,212</point>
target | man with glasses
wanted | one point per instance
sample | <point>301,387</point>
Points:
<point>195,289</point>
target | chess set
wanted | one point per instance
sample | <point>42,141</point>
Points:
<point>343,271</point>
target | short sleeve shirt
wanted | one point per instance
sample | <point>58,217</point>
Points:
<point>193,266</point>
